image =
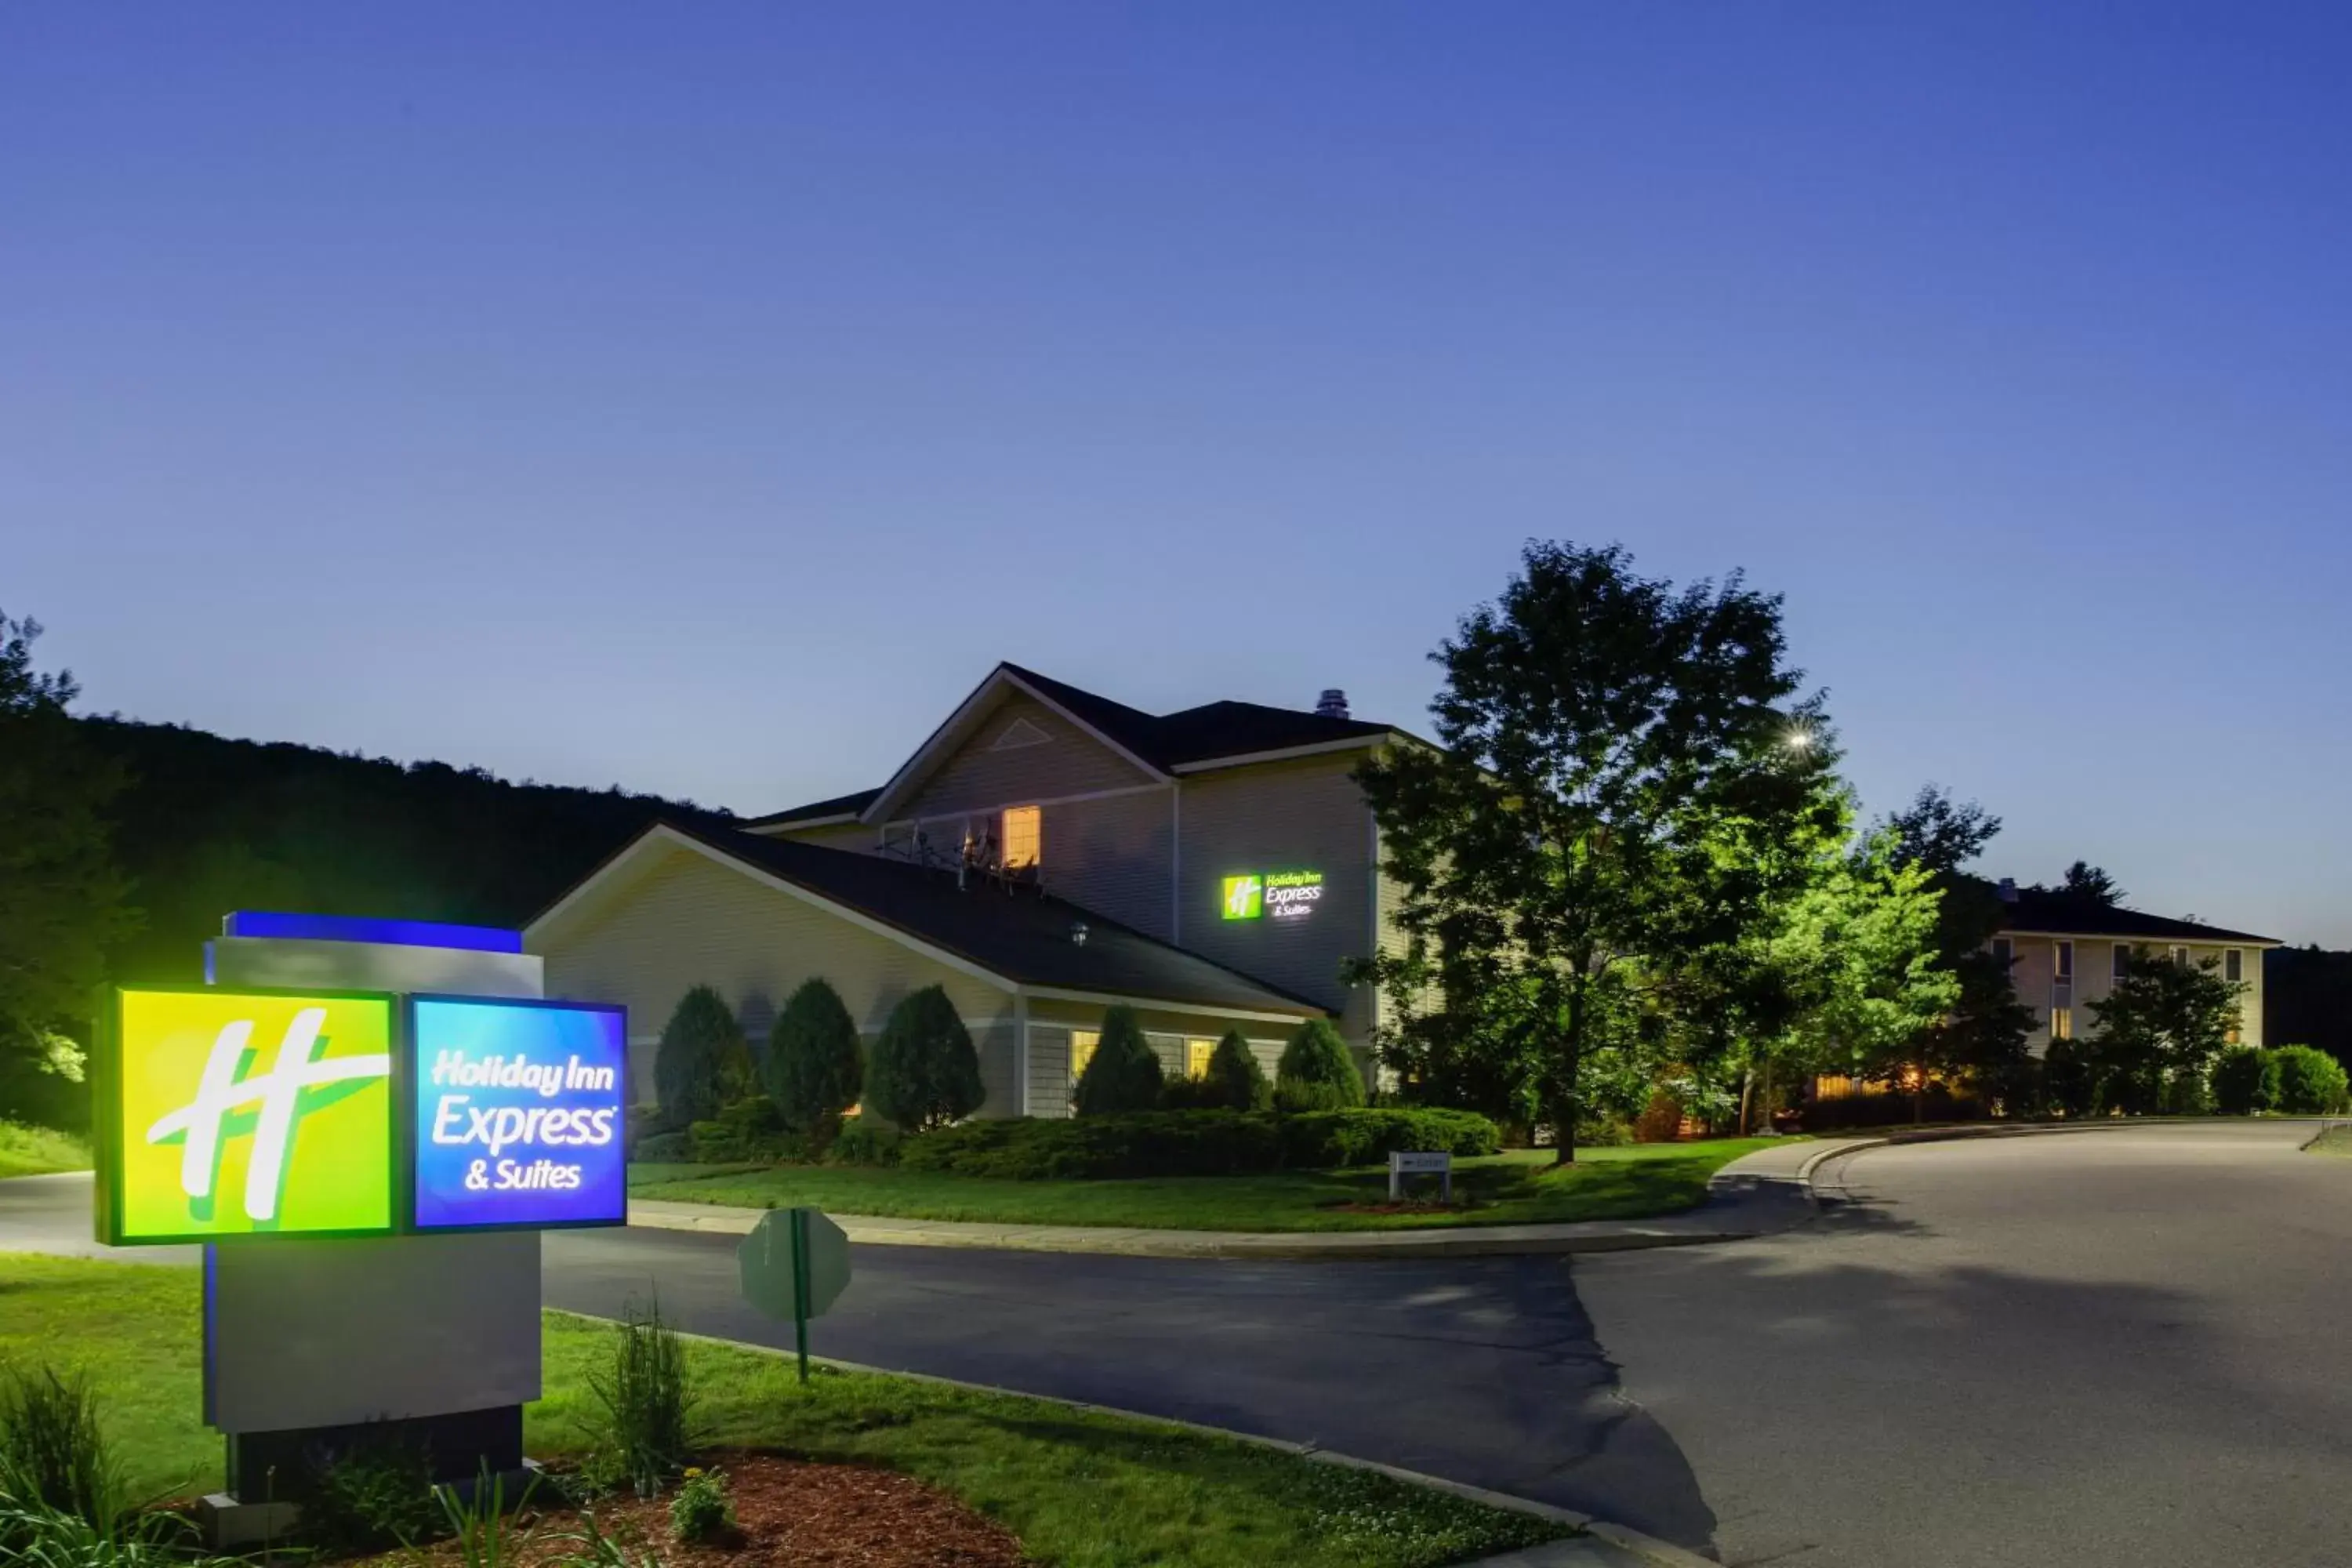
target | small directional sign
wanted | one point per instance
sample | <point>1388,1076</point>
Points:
<point>795,1265</point>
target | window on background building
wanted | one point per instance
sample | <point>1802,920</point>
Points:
<point>2180,956</point>
<point>2062,1023</point>
<point>1023,836</point>
<point>2123,960</point>
<point>2066,960</point>
<point>1082,1050</point>
<point>2004,951</point>
<point>1197,1052</point>
<point>2233,965</point>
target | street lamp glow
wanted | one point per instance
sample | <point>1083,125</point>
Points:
<point>1798,739</point>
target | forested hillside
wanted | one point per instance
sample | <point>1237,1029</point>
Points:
<point>204,826</point>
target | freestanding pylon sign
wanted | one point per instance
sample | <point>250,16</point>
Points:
<point>366,1124</point>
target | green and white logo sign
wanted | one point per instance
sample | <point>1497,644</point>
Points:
<point>238,1113</point>
<point>1273,895</point>
<point>1245,897</point>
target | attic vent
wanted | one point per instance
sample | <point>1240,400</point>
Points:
<point>1017,734</point>
<point>1332,704</point>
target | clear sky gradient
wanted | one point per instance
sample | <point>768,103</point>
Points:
<point>704,397</point>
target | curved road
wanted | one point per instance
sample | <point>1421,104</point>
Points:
<point>2118,1347</point>
<point>2108,1347</point>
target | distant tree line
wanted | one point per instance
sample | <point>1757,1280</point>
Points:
<point>122,843</point>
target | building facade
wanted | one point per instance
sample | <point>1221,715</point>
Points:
<point>2065,952</point>
<point>1044,853</point>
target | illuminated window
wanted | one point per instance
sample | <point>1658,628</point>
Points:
<point>2062,1023</point>
<point>1082,1050</point>
<point>1022,836</point>
<point>1196,1057</point>
<point>2233,966</point>
<point>2066,960</point>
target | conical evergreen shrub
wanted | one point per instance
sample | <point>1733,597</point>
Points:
<point>1315,1072</point>
<point>1122,1074</point>
<point>1234,1078</point>
<point>925,1072</point>
<point>703,1062</point>
<point>815,1067</point>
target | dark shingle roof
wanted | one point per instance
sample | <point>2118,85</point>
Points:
<point>848,805</point>
<point>1024,936</point>
<point>1165,741</point>
<point>2068,914</point>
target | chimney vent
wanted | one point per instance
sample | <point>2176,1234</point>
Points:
<point>1332,704</point>
<point>2009,889</point>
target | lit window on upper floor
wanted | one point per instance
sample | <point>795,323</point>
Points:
<point>2062,1023</point>
<point>1023,836</point>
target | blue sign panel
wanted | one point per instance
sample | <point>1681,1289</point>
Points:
<point>519,1113</point>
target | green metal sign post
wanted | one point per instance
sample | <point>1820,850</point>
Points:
<point>794,1264</point>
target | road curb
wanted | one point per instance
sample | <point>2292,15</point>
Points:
<point>1648,1548</point>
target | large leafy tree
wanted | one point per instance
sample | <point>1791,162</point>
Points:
<point>1603,737</point>
<point>1869,933</point>
<point>62,902</point>
<point>2160,1031</point>
<point>1980,1040</point>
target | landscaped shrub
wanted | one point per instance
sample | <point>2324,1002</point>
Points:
<point>1315,1072</point>
<point>643,1397</point>
<point>53,1452</point>
<point>664,1148</point>
<point>1192,1142</point>
<point>2070,1078</point>
<point>814,1066</point>
<point>369,1498</point>
<point>752,1130</point>
<point>864,1141</point>
<point>702,1514</point>
<point>1234,1076</point>
<point>2245,1081</point>
<point>925,1072</point>
<point>702,1062</point>
<point>1123,1075</point>
<point>2310,1081</point>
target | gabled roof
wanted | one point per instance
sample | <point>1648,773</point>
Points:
<point>840,808</point>
<point>1161,745</point>
<point>1021,940</point>
<point>2044,912</point>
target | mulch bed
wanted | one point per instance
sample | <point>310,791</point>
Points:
<point>798,1515</point>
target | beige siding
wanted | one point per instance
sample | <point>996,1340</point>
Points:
<point>1304,816</point>
<point>1115,856</point>
<point>998,1046</point>
<point>980,777</point>
<point>2035,975</point>
<point>689,921</point>
<point>1049,1072</point>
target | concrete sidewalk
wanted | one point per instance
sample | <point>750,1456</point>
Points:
<point>1757,1194</point>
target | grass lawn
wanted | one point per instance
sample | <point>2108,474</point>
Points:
<point>37,1150</point>
<point>1080,1488</point>
<point>1513,1188</point>
<point>2334,1140</point>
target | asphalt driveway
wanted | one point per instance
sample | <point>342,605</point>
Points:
<point>2116,1348</point>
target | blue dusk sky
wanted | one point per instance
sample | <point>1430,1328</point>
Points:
<point>704,397</point>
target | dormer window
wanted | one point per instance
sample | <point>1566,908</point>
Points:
<point>1021,833</point>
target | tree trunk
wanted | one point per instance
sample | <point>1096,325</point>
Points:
<point>1564,1119</point>
<point>1747,1097</point>
<point>1770,1125</point>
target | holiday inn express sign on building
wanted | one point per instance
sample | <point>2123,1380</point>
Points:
<point>238,1113</point>
<point>1272,895</point>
